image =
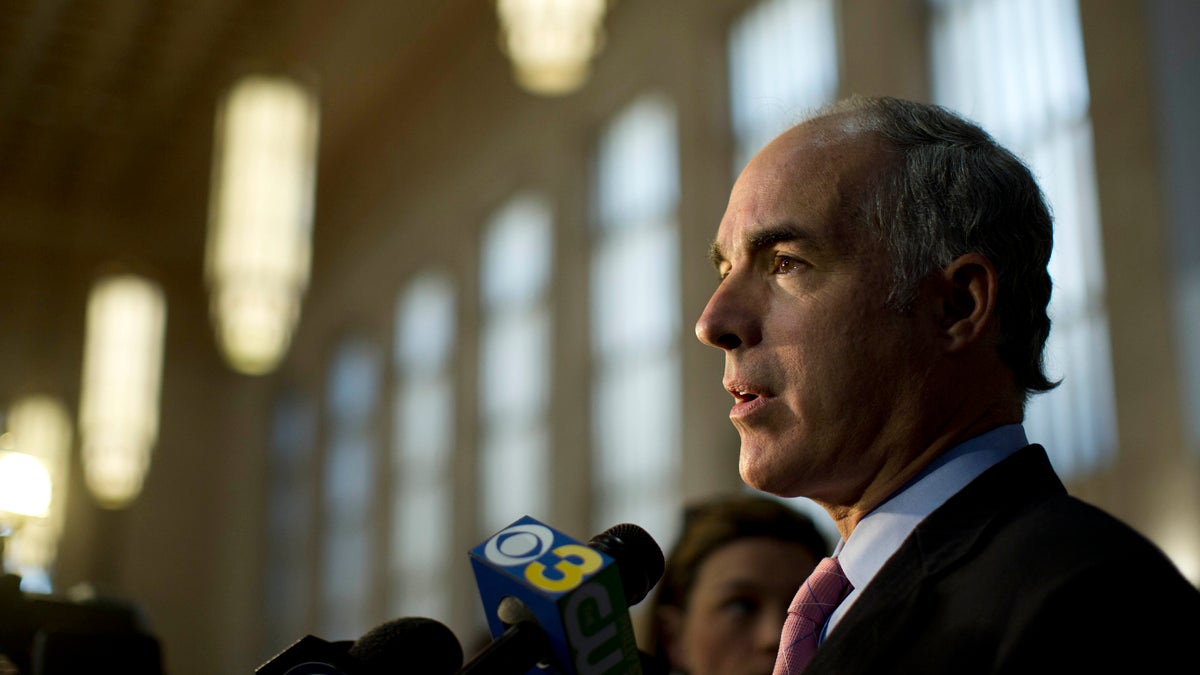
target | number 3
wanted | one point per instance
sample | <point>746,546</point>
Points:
<point>575,563</point>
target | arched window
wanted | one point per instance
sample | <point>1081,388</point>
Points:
<point>422,495</point>
<point>635,320</point>
<point>1017,68</point>
<point>349,489</point>
<point>515,363</point>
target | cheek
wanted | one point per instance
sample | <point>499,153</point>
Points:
<point>714,638</point>
<point>813,350</point>
<point>849,361</point>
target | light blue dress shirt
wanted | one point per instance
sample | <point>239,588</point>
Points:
<point>880,533</point>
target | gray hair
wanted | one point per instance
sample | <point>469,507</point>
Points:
<point>951,190</point>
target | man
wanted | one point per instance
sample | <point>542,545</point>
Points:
<point>882,311</point>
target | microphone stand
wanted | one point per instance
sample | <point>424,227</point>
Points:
<point>521,647</point>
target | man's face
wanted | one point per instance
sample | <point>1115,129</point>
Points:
<point>825,376</point>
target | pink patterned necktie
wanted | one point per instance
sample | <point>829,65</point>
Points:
<point>820,594</point>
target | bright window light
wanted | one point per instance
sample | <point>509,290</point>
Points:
<point>515,361</point>
<point>635,326</point>
<point>783,62</point>
<point>423,499</point>
<point>351,463</point>
<point>1026,83</point>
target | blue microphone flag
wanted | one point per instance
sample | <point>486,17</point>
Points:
<point>571,590</point>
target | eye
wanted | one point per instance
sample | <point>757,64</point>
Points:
<point>783,264</point>
<point>740,605</point>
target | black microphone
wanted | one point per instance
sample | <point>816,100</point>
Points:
<point>555,606</point>
<point>638,557</point>
<point>416,645</point>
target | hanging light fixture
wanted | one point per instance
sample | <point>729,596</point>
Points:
<point>39,429</point>
<point>122,373</point>
<point>260,219</point>
<point>551,42</point>
<point>24,487</point>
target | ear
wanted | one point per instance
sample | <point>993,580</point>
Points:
<point>968,300</point>
<point>671,621</point>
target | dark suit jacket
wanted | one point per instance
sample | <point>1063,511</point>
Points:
<point>1012,575</point>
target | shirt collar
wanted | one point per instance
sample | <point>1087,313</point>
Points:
<point>881,532</point>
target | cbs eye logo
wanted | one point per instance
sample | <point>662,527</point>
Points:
<point>529,543</point>
<point>519,544</point>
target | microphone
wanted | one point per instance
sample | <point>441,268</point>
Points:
<point>556,606</point>
<point>410,644</point>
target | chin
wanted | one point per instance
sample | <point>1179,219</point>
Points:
<point>760,477</point>
<point>770,479</point>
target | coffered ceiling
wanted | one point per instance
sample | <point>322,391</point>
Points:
<point>106,106</point>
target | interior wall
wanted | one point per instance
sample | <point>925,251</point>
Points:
<point>1155,482</point>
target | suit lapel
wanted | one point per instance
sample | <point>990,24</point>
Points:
<point>892,601</point>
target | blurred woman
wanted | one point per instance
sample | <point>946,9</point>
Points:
<point>720,606</point>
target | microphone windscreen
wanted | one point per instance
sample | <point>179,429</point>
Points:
<point>409,645</point>
<point>639,558</point>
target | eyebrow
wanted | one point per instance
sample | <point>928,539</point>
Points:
<point>766,238</point>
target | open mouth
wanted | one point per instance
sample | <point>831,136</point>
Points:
<point>743,392</point>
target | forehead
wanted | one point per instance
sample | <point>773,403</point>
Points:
<point>806,186</point>
<point>760,561</point>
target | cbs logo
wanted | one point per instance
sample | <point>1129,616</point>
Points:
<point>532,546</point>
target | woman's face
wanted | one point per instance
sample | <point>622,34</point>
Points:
<point>736,608</point>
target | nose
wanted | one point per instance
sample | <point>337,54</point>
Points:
<point>728,320</point>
